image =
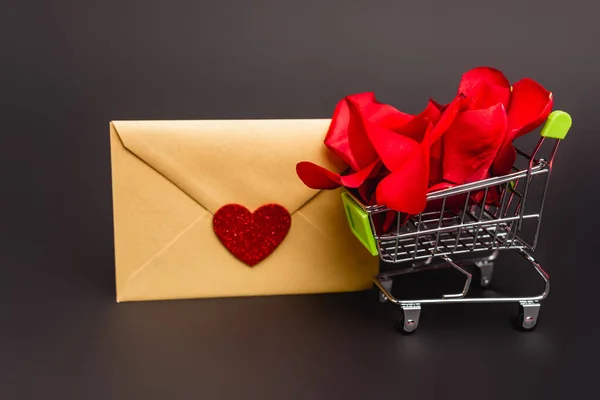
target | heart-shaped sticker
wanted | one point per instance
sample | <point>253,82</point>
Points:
<point>251,237</point>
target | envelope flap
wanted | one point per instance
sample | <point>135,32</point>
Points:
<point>217,162</point>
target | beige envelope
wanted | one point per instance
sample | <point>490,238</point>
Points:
<point>170,177</point>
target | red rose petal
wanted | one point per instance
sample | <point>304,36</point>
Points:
<point>390,221</point>
<point>317,177</point>
<point>486,95</point>
<point>358,178</point>
<point>471,79</point>
<point>504,160</point>
<point>529,107</point>
<point>393,148</point>
<point>492,197</point>
<point>436,172</point>
<point>379,113</point>
<point>416,128</point>
<point>366,191</point>
<point>346,136</point>
<point>347,139</point>
<point>445,121</point>
<point>432,112</point>
<point>439,106</point>
<point>440,186</point>
<point>484,87</point>
<point>472,143</point>
<point>453,202</point>
<point>405,190</point>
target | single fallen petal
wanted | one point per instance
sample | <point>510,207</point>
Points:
<point>317,177</point>
<point>405,190</point>
<point>472,143</point>
<point>529,107</point>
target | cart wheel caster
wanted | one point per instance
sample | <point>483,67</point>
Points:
<point>527,316</point>
<point>484,272</point>
<point>409,321</point>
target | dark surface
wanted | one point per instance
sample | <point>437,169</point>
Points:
<point>70,67</point>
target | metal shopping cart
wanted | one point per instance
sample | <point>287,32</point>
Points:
<point>499,213</point>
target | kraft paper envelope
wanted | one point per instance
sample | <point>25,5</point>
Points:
<point>170,177</point>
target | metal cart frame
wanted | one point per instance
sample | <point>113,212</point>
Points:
<point>483,216</point>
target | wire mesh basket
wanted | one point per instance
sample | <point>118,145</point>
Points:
<point>487,216</point>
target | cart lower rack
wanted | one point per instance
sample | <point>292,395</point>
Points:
<point>491,215</point>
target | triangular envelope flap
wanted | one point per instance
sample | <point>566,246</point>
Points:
<point>217,162</point>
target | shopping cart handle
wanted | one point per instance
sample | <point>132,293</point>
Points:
<point>557,125</point>
<point>360,224</point>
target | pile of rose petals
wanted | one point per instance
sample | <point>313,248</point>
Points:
<point>395,159</point>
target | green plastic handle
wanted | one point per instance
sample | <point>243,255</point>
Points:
<point>557,125</point>
<point>358,219</point>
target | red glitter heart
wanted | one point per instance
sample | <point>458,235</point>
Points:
<point>251,237</point>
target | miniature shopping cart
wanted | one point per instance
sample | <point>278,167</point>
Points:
<point>499,213</point>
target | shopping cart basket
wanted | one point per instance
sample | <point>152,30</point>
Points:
<point>499,213</point>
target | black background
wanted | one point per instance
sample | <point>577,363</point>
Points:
<point>69,67</point>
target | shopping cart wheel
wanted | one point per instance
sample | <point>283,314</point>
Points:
<point>527,317</point>
<point>409,320</point>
